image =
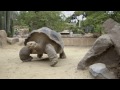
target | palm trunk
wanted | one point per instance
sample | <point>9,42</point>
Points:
<point>11,27</point>
<point>5,21</point>
<point>1,20</point>
<point>8,22</point>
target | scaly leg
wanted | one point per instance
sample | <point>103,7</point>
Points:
<point>51,54</point>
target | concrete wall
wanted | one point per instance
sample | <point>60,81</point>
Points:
<point>77,41</point>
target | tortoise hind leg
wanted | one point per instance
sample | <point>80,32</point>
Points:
<point>62,55</point>
<point>51,54</point>
<point>39,55</point>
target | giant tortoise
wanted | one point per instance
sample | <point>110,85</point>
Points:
<point>43,41</point>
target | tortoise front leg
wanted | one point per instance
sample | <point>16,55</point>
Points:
<point>51,54</point>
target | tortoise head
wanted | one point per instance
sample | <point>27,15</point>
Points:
<point>31,44</point>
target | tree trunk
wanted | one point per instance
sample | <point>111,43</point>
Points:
<point>5,21</point>
<point>0,20</point>
<point>8,22</point>
<point>11,27</point>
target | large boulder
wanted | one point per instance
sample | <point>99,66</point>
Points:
<point>3,38</point>
<point>12,40</point>
<point>106,49</point>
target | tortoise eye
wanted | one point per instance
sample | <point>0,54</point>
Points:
<point>30,43</point>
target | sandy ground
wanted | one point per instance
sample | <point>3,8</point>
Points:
<point>11,67</point>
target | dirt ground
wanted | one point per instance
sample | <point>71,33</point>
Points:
<point>11,67</point>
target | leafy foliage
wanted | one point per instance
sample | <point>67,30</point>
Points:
<point>94,19</point>
<point>40,19</point>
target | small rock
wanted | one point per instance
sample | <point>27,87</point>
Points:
<point>12,40</point>
<point>99,71</point>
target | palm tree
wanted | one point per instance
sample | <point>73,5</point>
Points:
<point>1,16</point>
<point>6,21</point>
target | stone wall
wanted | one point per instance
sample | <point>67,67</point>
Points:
<point>77,41</point>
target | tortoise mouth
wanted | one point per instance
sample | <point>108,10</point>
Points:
<point>31,44</point>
